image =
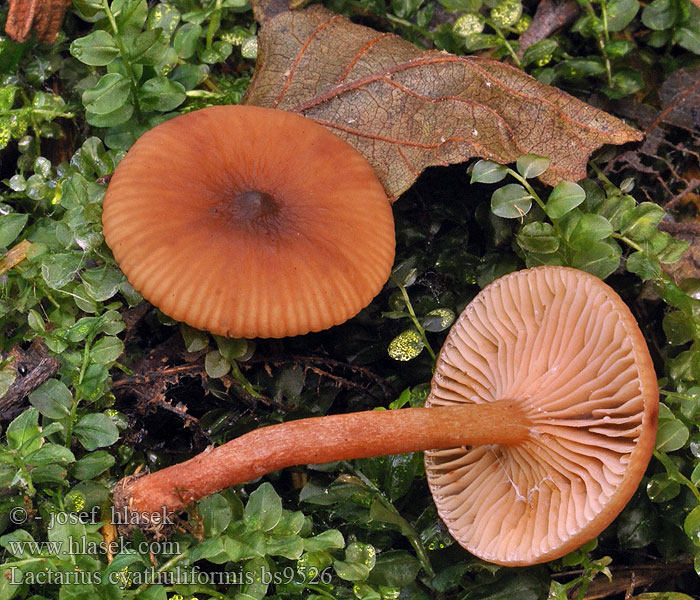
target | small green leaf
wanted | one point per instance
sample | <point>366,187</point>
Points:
<point>52,399</point>
<point>643,265</point>
<point>96,430</point>
<point>532,165</point>
<point>691,525</point>
<point>106,350</point>
<point>406,346</point>
<point>616,209</point>
<point>487,171</point>
<point>96,49</point>
<point>59,269</point>
<point>538,237</point>
<point>688,38</point>
<point>148,47</point>
<point>512,201</point>
<point>231,348</point>
<point>330,539</point>
<point>23,428</point>
<point>660,14</point>
<point>678,328</point>
<point>50,454</point>
<point>185,40</point>
<point>506,13</point>
<point>565,196</point>
<point>438,319</point>
<point>216,365</point>
<point>600,258</point>
<point>264,508</point>
<point>216,515</point>
<point>161,94</point>
<point>101,283</point>
<point>195,340</point>
<point>620,13</point>
<point>130,14</point>
<point>640,223</point>
<point>661,488</point>
<point>671,435</point>
<point>540,53</point>
<point>10,227</point>
<point>359,560</point>
<point>109,94</point>
<point>111,119</point>
<point>588,230</point>
<point>673,251</point>
<point>92,465</point>
<point>35,321</point>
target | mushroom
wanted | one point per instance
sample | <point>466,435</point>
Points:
<point>539,426</point>
<point>249,222</point>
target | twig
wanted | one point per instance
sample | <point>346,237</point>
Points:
<point>34,366</point>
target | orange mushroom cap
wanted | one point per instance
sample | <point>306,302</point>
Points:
<point>563,345</point>
<point>249,222</point>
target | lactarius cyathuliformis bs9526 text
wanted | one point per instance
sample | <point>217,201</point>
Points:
<point>250,222</point>
<point>539,426</point>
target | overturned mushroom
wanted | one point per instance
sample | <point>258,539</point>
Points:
<point>249,222</point>
<point>538,428</point>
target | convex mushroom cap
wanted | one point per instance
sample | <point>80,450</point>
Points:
<point>567,348</point>
<point>541,417</point>
<point>249,222</point>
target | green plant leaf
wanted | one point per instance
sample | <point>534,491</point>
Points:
<point>620,13</point>
<point>106,350</point>
<point>691,525</point>
<point>588,230</point>
<point>22,429</point>
<point>406,346</point>
<point>565,196</point>
<point>49,454</point>
<point>600,258</point>
<point>487,171</point>
<point>93,464</point>
<point>216,365</point>
<point>185,40</point>
<point>161,94</point>
<point>52,399</point>
<point>264,508</point>
<point>101,283</point>
<point>640,223</point>
<point>532,165</point>
<point>671,435</point>
<point>216,515</point>
<point>96,430</point>
<point>10,227</point>
<point>96,49</point>
<point>643,265</point>
<point>512,201</point>
<point>660,14</point>
<point>538,237</point>
<point>110,93</point>
<point>112,119</point>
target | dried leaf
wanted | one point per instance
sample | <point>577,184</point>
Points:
<point>42,16</point>
<point>680,100</point>
<point>405,109</point>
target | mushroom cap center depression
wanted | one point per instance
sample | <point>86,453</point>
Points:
<point>250,222</point>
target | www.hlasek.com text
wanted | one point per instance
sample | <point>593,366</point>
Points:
<point>83,545</point>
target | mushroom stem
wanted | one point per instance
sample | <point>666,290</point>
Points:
<point>324,439</point>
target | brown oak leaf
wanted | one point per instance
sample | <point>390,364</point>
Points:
<point>42,16</point>
<point>405,109</point>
